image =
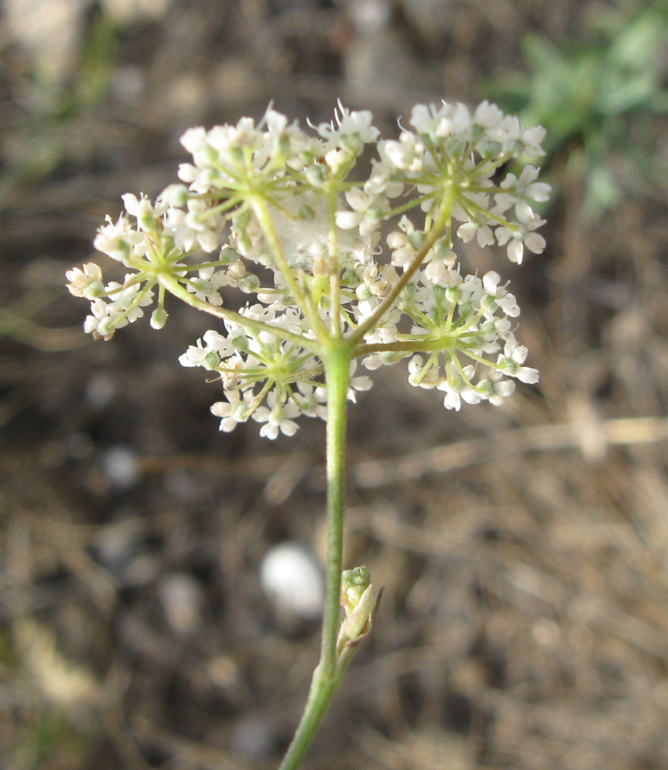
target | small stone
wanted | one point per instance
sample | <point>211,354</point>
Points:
<point>120,467</point>
<point>181,598</point>
<point>293,580</point>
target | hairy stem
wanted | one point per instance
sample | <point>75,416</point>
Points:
<point>261,211</point>
<point>328,674</point>
<point>173,286</point>
<point>442,217</point>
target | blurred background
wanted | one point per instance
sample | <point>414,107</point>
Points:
<point>523,549</point>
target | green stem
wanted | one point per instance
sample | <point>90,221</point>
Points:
<point>263,216</point>
<point>442,217</point>
<point>176,288</point>
<point>320,696</point>
<point>334,279</point>
<point>329,672</point>
<point>337,376</point>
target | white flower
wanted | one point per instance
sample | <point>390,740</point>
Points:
<point>487,115</point>
<point>287,142</point>
<point>357,384</point>
<point>206,286</point>
<point>407,154</point>
<point>482,231</point>
<point>494,389</point>
<point>438,272</point>
<point>311,400</point>
<point>403,243</point>
<point>379,182</point>
<point>175,195</point>
<point>143,210</point>
<point>501,298</point>
<point>366,212</point>
<point>117,240</point>
<point>533,139</point>
<point>420,376</point>
<point>520,234</point>
<point>506,132</point>
<point>511,361</point>
<point>457,388</point>
<point>99,318</point>
<point>278,418</point>
<point>226,411</point>
<point>194,228</point>
<point>188,173</point>
<point>235,410</point>
<point>440,122</point>
<point>87,282</point>
<point>349,124</point>
<point>126,305</point>
<point>522,188</point>
<point>208,352</point>
<point>194,140</point>
<point>128,300</point>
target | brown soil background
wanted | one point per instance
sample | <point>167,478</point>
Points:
<point>523,550</point>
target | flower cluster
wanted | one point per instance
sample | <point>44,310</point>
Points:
<point>455,154</point>
<point>270,209</point>
<point>463,331</point>
<point>258,367</point>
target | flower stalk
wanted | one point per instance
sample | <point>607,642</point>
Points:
<point>329,672</point>
<point>337,377</point>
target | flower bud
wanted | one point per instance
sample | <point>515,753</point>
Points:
<point>359,604</point>
<point>175,195</point>
<point>228,255</point>
<point>158,318</point>
<point>315,175</point>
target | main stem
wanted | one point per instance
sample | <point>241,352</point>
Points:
<point>328,673</point>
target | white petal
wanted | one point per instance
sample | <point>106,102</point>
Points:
<point>516,251</point>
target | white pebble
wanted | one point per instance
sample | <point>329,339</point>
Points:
<point>293,580</point>
<point>121,467</point>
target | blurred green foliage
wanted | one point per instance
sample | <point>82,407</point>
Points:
<point>599,101</point>
<point>52,743</point>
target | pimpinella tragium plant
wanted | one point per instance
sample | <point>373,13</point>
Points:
<point>274,211</point>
